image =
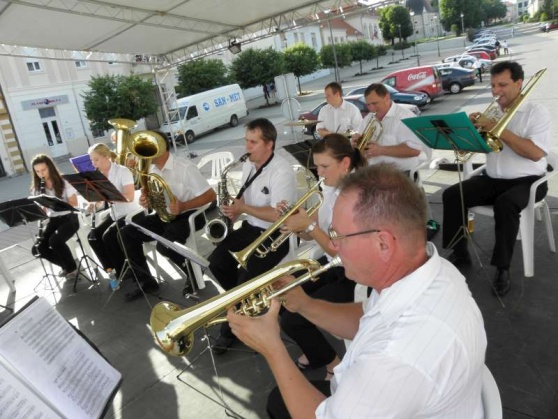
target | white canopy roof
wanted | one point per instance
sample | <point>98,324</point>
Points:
<point>171,30</point>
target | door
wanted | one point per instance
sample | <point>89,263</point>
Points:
<point>51,129</point>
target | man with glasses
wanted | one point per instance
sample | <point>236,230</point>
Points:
<point>397,143</point>
<point>418,342</point>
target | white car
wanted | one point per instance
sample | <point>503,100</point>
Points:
<point>466,61</point>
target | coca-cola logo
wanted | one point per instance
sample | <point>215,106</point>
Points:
<point>417,76</point>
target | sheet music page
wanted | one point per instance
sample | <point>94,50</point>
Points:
<point>17,401</point>
<point>63,367</point>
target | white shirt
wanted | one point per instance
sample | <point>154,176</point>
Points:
<point>325,212</point>
<point>339,119</point>
<point>531,121</point>
<point>183,178</point>
<point>68,191</point>
<point>275,183</point>
<point>395,132</point>
<point>120,177</point>
<point>418,353</point>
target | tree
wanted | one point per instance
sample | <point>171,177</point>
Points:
<point>300,59</point>
<point>110,96</point>
<point>494,9</point>
<point>256,67</point>
<point>201,75</point>
<point>342,52</point>
<point>362,50</point>
<point>451,10</point>
<point>395,22</point>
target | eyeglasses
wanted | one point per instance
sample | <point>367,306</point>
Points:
<point>333,236</point>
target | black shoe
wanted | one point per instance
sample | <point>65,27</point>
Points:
<point>460,259</point>
<point>501,283</point>
<point>137,293</point>
<point>222,344</point>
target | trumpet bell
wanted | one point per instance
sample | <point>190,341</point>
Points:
<point>161,315</point>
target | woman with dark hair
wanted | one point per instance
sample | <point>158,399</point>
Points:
<point>61,225</point>
<point>334,157</point>
<point>104,240</point>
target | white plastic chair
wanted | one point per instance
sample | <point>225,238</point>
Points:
<point>424,163</point>
<point>491,402</point>
<point>218,162</point>
<point>527,220</point>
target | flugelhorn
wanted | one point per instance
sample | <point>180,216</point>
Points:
<point>173,328</point>
<point>148,145</point>
<point>258,247</point>
<point>372,133</point>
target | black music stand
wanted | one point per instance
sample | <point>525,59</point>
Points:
<point>93,186</point>
<point>16,212</point>
<point>450,132</point>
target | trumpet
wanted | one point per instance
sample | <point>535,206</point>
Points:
<point>371,133</point>
<point>258,246</point>
<point>173,329</point>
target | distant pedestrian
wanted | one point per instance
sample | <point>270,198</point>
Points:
<point>478,68</point>
<point>497,46</point>
<point>266,92</point>
<point>273,91</point>
<point>505,46</point>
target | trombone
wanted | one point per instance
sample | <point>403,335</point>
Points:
<point>258,247</point>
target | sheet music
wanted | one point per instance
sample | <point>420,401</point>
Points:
<point>177,247</point>
<point>51,357</point>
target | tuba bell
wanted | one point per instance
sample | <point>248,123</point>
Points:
<point>122,129</point>
<point>148,145</point>
<point>173,329</point>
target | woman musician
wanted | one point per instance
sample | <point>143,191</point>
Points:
<point>103,238</point>
<point>51,244</point>
<point>334,158</point>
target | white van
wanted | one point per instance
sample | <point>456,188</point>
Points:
<point>208,110</point>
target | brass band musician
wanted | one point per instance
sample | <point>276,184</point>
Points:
<point>62,225</point>
<point>339,115</point>
<point>191,191</point>
<point>508,178</point>
<point>104,239</point>
<point>267,179</point>
<point>397,143</point>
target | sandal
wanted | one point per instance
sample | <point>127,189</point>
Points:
<point>301,365</point>
<point>329,375</point>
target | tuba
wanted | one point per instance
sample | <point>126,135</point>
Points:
<point>371,133</point>
<point>258,246</point>
<point>492,137</point>
<point>147,145</point>
<point>173,329</point>
<point>218,228</point>
<point>122,129</point>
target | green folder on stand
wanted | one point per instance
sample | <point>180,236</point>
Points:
<point>448,132</point>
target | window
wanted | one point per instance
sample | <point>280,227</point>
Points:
<point>80,64</point>
<point>314,40</point>
<point>192,112</point>
<point>34,66</point>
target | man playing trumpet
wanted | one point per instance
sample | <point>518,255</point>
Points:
<point>508,176</point>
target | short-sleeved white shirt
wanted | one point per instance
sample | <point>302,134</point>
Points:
<point>274,184</point>
<point>183,178</point>
<point>69,190</point>
<point>120,177</point>
<point>395,132</point>
<point>418,353</point>
<point>339,119</point>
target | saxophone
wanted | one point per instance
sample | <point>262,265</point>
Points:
<point>218,228</point>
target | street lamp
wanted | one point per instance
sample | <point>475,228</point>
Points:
<point>415,38</point>
<point>463,30</point>
<point>437,35</point>
<point>336,70</point>
<point>401,43</point>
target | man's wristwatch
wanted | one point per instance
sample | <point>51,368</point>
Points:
<point>310,228</point>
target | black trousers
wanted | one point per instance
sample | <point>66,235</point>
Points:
<point>332,286</point>
<point>276,408</point>
<point>226,269</point>
<point>177,230</point>
<point>508,197</point>
<point>106,244</point>
<point>53,245</point>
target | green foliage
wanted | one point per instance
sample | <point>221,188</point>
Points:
<point>362,51</point>
<point>456,29</point>
<point>201,75</point>
<point>395,22</point>
<point>494,9</point>
<point>401,45</point>
<point>343,53</point>
<point>300,59</point>
<point>256,67</point>
<point>129,97</point>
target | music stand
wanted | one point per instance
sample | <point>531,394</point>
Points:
<point>93,186</point>
<point>450,132</point>
<point>20,211</point>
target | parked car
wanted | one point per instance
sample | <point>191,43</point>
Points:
<point>490,51</point>
<point>549,26</point>
<point>466,61</point>
<point>479,54</point>
<point>412,98</point>
<point>454,79</point>
<point>357,100</point>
